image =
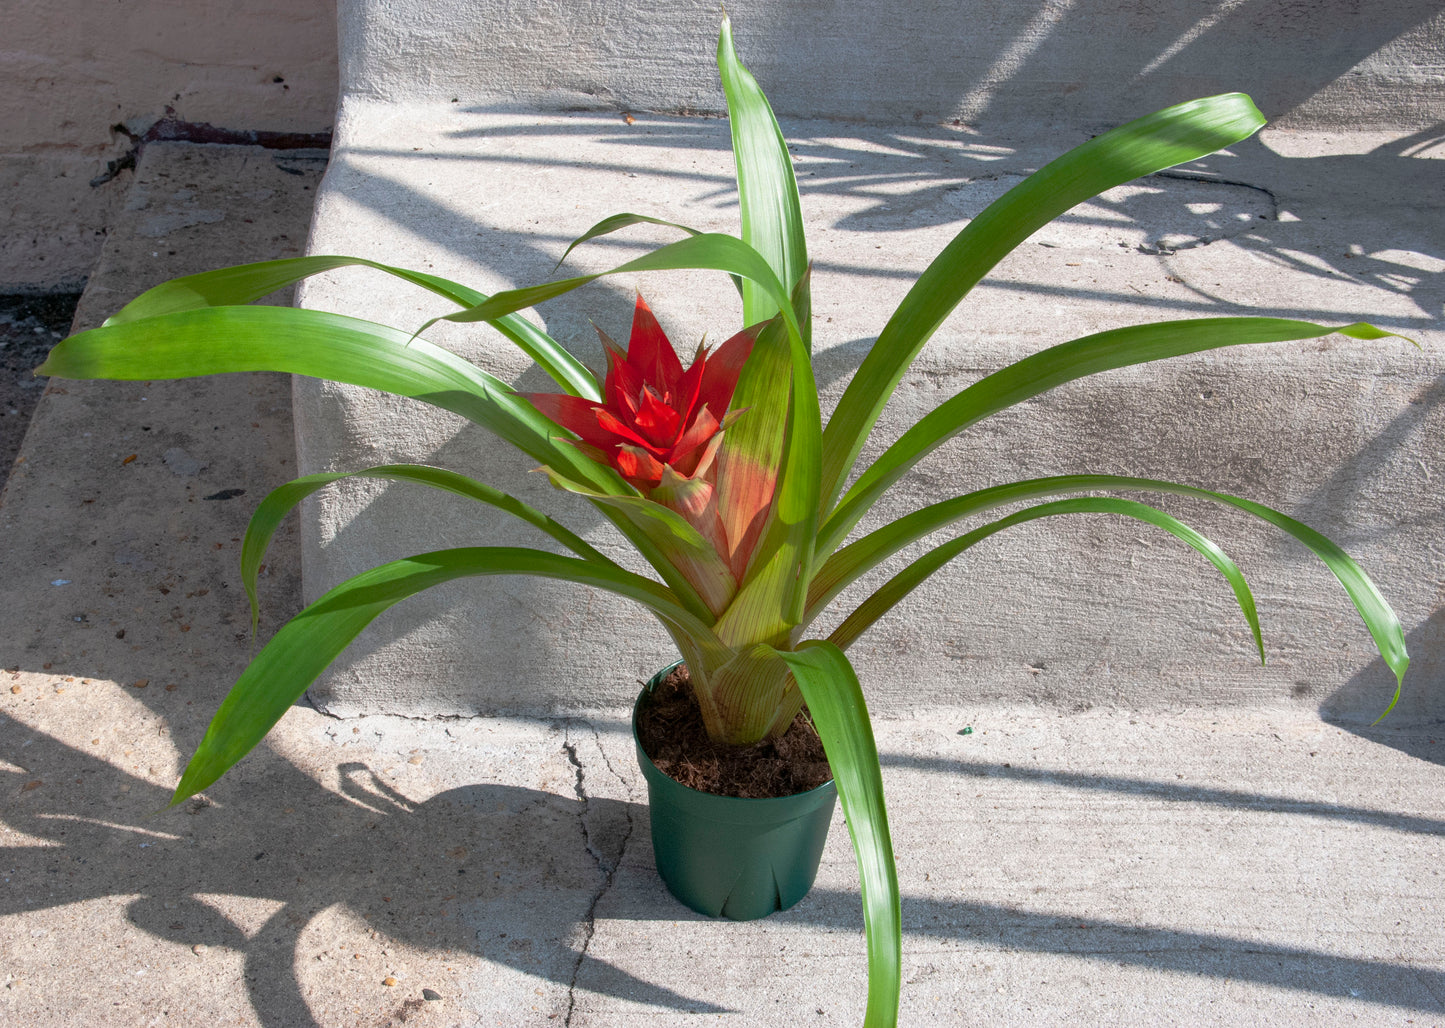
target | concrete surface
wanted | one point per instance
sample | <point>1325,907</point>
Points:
<point>72,70</point>
<point>1056,869</point>
<point>1343,435</point>
<point>989,64</point>
<point>1120,865</point>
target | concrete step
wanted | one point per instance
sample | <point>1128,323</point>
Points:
<point>1334,227</point>
<point>1056,869</point>
<point>1100,866</point>
<point>476,142</point>
<point>123,514</point>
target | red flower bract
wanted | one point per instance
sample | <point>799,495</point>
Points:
<point>656,420</point>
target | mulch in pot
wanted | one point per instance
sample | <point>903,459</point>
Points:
<point>672,733</point>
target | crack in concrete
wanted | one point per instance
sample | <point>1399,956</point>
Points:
<point>608,866</point>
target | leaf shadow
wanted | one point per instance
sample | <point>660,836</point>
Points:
<point>498,871</point>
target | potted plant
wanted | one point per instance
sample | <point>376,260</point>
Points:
<point>721,474</point>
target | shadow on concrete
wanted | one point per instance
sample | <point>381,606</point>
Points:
<point>499,872</point>
<point>1199,954</point>
<point>900,179</point>
<point>1169,792</point>
<point>496,871</point>
<point>1417,725</point>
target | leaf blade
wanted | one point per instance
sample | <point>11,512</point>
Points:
<point>320,345</point>
<point>772,217</point>
<point>1066,362</point>
<point>1161,140</point>
<point>309,642</point>
<point>900,585</point>
<point>708,251</point>
<point>835,700</point>
<point>1381,621</point>
<point>752,447</point>
<point>272,510</point>
<point>243,283</point>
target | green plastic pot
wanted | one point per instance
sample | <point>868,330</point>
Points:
<point>729,857</point>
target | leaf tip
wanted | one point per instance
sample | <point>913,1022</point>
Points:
<point>1399,669</point>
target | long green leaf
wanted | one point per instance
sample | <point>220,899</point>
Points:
<point>835,701</point>
<point>311,640</point>
<point>615,223</point>
<point>1161,140</point>
<point>752,448</point>
<point>216,340</point>
<point>278,503</point>
<point>845,565</point>
<point>689,562</point>
<point>772,218</point>
<point>903,583</point>
<point>244,283</point>
<point>1040,372</point>
<point>709,251</point>
<point>772,597</point>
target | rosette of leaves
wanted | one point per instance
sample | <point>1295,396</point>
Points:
<point>754,538</point>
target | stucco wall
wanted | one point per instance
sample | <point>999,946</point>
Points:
<point>72,69</point>
<point>1307,63</point>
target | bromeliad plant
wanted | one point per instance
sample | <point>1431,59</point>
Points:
<point>722,475</point>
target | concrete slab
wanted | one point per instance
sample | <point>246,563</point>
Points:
<point>1135,863</point>
<point>1056,869</point>
<point>341,877</point>
<point>1096,868</point>
<point>1343,435</point>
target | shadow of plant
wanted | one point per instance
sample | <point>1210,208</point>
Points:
<point>500,872</point>
<point>1417,726</point>
<point>513,874</point>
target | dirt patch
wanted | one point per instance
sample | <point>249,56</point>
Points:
<point>672,733</point>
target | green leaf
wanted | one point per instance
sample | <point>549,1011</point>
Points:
<point>617,222</point>
<point>243,283</point>
<point>772,595</point>
<point>247,282</point>
<point>215,340</point>
<point>772,218</point>
<point>1161,140</point>
<point>752,447</point>
<point>709,251</point>
<point>903,583</point>
<point>278,503</point>
<point>311,640</point>
<point>1040,372</point>
<point>835,701</point>
<point>689,563</point>
<point>845,565</point>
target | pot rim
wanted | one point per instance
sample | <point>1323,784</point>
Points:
<point>648,765</point>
